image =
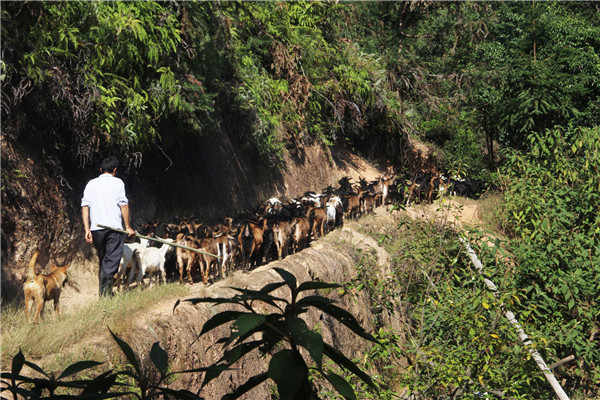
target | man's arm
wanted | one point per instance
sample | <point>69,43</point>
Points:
<point>125,214</point>
<point>85,214</point>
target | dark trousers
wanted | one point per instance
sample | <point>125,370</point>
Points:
<point>109,245</point>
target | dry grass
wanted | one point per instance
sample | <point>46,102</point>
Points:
<point>53,336</point>
<point>492,213</point>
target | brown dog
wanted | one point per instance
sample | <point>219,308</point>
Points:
<point>43,287</point>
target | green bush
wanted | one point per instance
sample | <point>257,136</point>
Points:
<point>103,70</point>
<point>551,200</point>
<point>456,340</point>
<point>282,334</point>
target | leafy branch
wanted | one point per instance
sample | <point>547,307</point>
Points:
<point>284,333</point>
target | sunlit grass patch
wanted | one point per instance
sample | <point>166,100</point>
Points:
<point>492,212</point>
<point>55,335</point>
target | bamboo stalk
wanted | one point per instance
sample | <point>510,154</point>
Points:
<point>520,332</point>
<point>159,240</point>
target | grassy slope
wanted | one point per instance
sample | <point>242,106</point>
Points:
<point>53,337</point>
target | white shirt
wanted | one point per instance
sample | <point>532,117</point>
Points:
<point>105,195</point>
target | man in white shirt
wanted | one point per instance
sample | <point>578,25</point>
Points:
<point>104,202</point>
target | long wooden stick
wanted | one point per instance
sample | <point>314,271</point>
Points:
<point>561,362</point>
<point>520,332</point>
<point>159,240</point>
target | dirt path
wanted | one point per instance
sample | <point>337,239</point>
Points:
<point>83,288</point>
<point>456,212</point>
<point>72,300</point>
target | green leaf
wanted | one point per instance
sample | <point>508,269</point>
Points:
<point>211,300</point>
<point>17,363</point>
<point>101,383</point>
<point>289,278</point>
<point>309,339</point>
<point>341,315</point>
<point>238,351</point>
<point>25,393</point>
<point>273,334</point>
<point>37,368</point>
<point>268,288</point>
<point>78,367</point>
<point>176,304</point>
<point>289,372</point>
<point>496,247</point>
<point>245,323</point>
<point>248,385</point>
<point>127,350</point>
<point>341,360</point>
<point>341,385</point>
<point>260,295</point>
<point>210,373</point>
<point>309,300</point>
<point>159,358</point>
<point>316,285</point>
<point>219,319</point>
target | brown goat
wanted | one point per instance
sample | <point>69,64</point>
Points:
<point>317,217</point>
<point>300,234</point>
<point>434,182</point>
<point>207,262</point>
<point>282,233</point>
<point>368,203</point>
<point>186,259</point>
<point>250,239</point>
<point>352,206</point>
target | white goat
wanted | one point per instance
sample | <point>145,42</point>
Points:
<point>313,198</point>
<point>330,216</point>
<point>273,206</point>
<point>335,209</point>
<point>153,261</point>
<point>228,247</point>
<point>130,261</point>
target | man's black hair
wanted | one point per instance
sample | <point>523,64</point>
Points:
<point>109,164</point>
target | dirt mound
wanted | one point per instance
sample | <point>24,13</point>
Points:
<point>210,179</point>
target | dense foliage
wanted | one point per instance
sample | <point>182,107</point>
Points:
<point>516,82</point>
<point>90,75</point>
<point>101,76</point>
<point>552,199</point>
<point>456,340</point>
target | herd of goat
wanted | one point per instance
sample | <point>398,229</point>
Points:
<point>274,229</point>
